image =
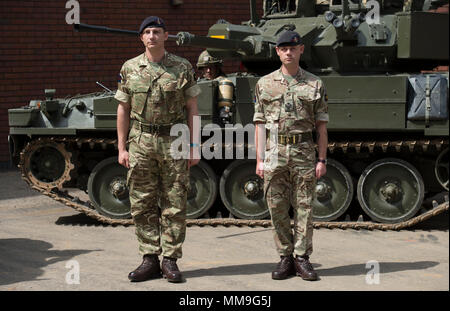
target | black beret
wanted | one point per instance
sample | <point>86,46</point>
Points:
<point>152,21</point>
<point>289,38</point>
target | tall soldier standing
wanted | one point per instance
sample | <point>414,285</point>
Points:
<point>292,102</point>
<point>155,91</point>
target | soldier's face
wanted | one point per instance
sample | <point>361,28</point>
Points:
<point>290,54</point>
<point>154,38</point>
<point>209,72</point>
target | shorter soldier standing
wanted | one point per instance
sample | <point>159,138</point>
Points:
<point>292,102</point>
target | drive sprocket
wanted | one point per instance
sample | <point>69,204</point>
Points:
<point>46,164</point>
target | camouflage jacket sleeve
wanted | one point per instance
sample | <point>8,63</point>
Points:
<point>123,93</point>
<point>321,106</point>
<point>191,89</point>
<point>258,116</point>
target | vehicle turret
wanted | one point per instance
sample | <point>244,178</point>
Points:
<point>340,35</point>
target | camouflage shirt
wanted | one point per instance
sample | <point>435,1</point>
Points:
<point>294,106</point>
<point>157,92</point>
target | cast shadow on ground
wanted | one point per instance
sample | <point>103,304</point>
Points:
<point>247,269</point>
<point>385,267</point>
<point>25,259</point>
<point>351,270</point>
<point>79,220</point>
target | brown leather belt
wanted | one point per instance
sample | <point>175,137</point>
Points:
<point>161,129</point>
<point>295,138</point>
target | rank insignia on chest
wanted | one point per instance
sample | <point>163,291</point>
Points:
<point>289,102</point>
<point>289,106</point>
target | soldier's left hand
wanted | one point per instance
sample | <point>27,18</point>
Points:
<point>321,169</point>
<point>193,162</point>
<point>194,156</point>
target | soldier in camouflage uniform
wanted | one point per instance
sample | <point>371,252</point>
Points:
<point>291,103</point>
<point>210,67</point>
<point>157,90</point>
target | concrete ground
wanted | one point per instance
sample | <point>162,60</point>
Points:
<point>46,246</point>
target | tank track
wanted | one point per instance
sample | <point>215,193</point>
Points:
<point>87,208</point>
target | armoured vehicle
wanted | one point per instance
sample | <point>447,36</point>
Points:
<point>385,68</point>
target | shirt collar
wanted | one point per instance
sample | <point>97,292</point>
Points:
<point>166,61</point>
<point>299,77</point>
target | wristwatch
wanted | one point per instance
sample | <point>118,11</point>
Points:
<point>324,161</point>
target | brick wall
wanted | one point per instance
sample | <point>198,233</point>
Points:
<point>39,50</point>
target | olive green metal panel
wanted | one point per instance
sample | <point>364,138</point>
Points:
<point>245,89</point>
<point>245,92</point>
<point>366,116</point>
<point>22,116</point>
<point>366,89</point>
<point>105,112</point>
<point>206,101</point>
<point>366,102</point>
<point>435,128</point>
<point>423,35</point>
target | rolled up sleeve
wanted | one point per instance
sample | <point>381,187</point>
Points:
<point>123,93</point>
<point>258,115</point>
<point>321,107</point>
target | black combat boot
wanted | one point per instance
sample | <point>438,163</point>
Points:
<point>148,269</point>
<point>304,268</point>
<point>170,270</point>
<point>284,269</point>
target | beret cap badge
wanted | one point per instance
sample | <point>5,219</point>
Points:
<point>152,21</point>
<point>289,38</point>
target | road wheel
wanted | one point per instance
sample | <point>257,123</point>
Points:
<point>241,190</point>
<point>108,191</point>
<point>333,192</point>
<point>441,169</point>
<point>390,190</point>
<point>203,190</point>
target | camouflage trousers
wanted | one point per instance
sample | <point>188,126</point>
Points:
<point>158,194</point>
<point>291,182</point>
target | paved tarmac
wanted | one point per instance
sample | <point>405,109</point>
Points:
<point>46,246</point>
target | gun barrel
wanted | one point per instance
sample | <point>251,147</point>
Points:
<point>182,39</point>
<point>92,28</point>
<point>188,39</point>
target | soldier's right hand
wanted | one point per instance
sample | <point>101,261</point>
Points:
<point>124,159</point>
<point>260,169</point>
